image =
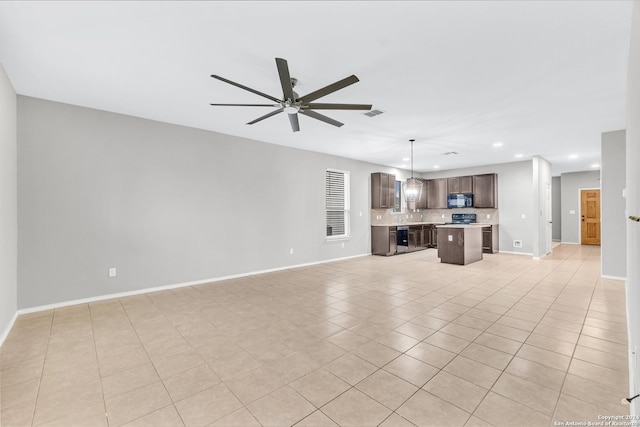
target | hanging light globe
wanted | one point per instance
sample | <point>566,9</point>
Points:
<point>412,187</point>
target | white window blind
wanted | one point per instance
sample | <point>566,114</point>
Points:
<point>337,203</point>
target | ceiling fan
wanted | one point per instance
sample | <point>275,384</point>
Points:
<point>292,104</point>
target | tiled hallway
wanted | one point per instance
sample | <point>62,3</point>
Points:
<point>397,341</point>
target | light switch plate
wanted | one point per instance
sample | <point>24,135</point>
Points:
<point>450,237</point>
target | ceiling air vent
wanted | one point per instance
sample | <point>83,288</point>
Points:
<point>449,153</point>
<point>373,113</point>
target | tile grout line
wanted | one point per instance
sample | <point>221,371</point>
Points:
<point>95,347</point>
<point>150,360</point>
<point>44,361</point>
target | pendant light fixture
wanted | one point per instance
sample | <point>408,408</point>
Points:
<point>412,187</point>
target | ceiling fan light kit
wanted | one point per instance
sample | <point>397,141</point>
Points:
<point>292,104</point>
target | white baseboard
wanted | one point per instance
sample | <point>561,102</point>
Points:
<point>606,276</point>
<point>515,253</point>
<point>167,287</point>
<point>6,331</point>
<point>570,243</point>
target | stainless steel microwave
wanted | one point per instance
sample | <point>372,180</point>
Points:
<point>460,201</point>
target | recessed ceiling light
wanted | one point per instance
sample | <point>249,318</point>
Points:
<point>517,156</point>
<point>405,159</point>
<point>573,156</point>
<point>436,166</point>
<point>498,144</point>
<point>595,165</point>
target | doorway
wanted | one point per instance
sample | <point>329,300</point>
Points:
<point>590,217</point>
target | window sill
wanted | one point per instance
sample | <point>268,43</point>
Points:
<point>337,238</point>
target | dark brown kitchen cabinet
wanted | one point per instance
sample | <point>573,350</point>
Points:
<point>437,193</point>
<point>490,239</point>
<point>459,245</point>
<point>383,187</point>
<point>460,184</point>
<point>422,202</point>
<point>415,238</point>
<point>485,191</point>
<point>429,236</point>
<point>383,240</point>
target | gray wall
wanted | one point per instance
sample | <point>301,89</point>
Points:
<point>556,197</point>
<point>633,205</point>
<point>614,222</point>
<point>571,184</point>
<point>514,199</point>
<point>164,204</point>
<point>8,204</point>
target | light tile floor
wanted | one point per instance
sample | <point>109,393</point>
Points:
<point>397,341</point>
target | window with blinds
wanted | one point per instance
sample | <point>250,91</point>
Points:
<point>337,203</point>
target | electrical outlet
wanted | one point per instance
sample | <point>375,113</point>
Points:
<point>343,244</point>
<point>290,251</point>
<point>112,272</point>
<point>442,215</point>
<point>488,216</point>
<point>572,212</point>
<point>523,216</point>
<point>517,243</point>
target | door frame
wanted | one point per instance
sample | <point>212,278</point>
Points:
<point>579,219</point>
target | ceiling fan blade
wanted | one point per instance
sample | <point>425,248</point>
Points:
<point>318,106</point>
<point>293,119</point>
<point>222,79</point>
<point>285,79</point>
<point>266,116</point>
<point>321,117</point>
<point>329,89</point>
<point>245,105</point>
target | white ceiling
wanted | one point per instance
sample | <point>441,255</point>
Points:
<point>544,78</point>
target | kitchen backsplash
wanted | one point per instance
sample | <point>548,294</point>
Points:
<point>387,216</point>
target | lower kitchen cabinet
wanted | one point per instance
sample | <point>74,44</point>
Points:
<point>383,240</point>
<point>490,239</point>
<point>390,240</point>
<point>429,236</point>
<point>415,238</point>
<point>433,242</point>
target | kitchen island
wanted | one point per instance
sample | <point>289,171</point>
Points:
<point>460,243</point>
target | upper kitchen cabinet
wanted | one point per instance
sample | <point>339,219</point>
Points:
<point>460,184</point>
<point>422,202</point>
<point>485,191</point>
<point>437,193</point>
<point>383,187</point>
